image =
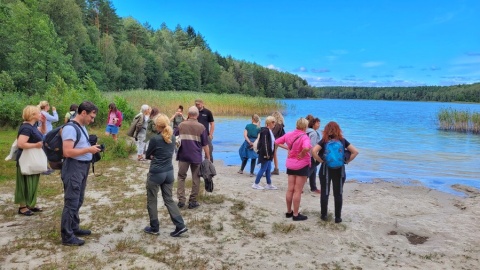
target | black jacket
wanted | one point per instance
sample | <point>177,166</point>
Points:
<point>265,149</point>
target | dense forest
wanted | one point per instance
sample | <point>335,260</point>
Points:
<point>74,39</point>
<point>48,43</point>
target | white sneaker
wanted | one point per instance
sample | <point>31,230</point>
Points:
<point>256,186</point>
<point>271,187</point>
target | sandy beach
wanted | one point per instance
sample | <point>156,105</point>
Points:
<point>386,225</point>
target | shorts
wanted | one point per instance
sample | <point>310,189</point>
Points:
<point>300,172</point>
<point>112,129</point>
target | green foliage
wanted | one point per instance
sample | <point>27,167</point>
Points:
<point>11,108</point>
<point>123,105</point>
<point>455,93</point>
<point>6,82</point>
<point>115,150</point>
<point>44,42</point>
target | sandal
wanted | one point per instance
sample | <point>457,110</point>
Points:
<point>26,213</point>
<point>35,209</point>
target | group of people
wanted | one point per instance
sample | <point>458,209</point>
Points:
<point>306,150</point>
<point>156,138</point>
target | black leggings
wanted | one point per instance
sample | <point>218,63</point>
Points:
<point>252,164</point>
<point>335,177</point>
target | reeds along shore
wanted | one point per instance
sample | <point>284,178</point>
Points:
<point>460,121</point>
<point>224,105</point>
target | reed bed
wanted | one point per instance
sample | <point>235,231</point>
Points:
<point>219,104</point>
<point>461,121</point>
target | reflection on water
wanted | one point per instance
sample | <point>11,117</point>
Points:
<point>396,140</point>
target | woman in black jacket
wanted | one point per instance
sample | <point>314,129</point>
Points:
<point>161,176</point>
<point>266,149</point>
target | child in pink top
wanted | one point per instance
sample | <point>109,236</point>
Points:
<point>298,163</point>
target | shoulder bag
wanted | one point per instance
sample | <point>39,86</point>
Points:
<point>32,161</point>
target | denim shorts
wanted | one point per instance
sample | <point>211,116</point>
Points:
<point>112,129</point>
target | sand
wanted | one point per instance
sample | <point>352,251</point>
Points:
<point>386,225</point>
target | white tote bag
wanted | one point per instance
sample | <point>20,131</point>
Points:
<point>13,152</point>
<point>33,161</point>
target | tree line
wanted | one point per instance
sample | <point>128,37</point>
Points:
<point>455,93</point>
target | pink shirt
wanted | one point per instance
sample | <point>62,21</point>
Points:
<point>302,142</point>
<point>112,116</point>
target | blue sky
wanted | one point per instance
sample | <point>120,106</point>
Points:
<point>330,43</point>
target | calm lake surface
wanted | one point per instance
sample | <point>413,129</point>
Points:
<point>397,140</point>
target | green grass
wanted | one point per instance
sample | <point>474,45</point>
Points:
<point>219,104</point>
<point>461,121</point>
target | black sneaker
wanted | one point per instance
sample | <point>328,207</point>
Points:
<point>73,242</point>
<point>150,230</point>
<point>192,205</point>
<point>181,204</point>
<point>300,217</point>
<point>178,232</point>
<point>82,232</point>
<point>289,215</point>
<point>338,220</point>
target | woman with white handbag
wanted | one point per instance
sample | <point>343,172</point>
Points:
<point>29,167</point>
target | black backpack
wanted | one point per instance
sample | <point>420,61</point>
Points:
<point>53,145</point>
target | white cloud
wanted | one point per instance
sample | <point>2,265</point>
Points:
<point>272,66</point>
<point>372,64</point>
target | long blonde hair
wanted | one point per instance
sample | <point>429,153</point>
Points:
<point>278,117</point>
<point>162,124</point>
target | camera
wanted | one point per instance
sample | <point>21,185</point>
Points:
<point>102,147</point>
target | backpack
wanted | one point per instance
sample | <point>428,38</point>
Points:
<point>334,155</point>
<point>53,145</point>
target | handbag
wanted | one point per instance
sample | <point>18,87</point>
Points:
<point>178,142</point>
<point>32,161</point>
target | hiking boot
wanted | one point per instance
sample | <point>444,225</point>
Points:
<point>150,230</point>
<point>271,187</point>
<point>73,242</point>
<point>300,217</point>
<point>289,215</point>
<point>275,172</point>
<point>181,204</point>
<point>257,186</point>
<point>192,205</point>
<point>81,232</point>
<point>338,220</point>
<point>178,232</point>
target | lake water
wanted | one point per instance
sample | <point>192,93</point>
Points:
<point>397,140</point>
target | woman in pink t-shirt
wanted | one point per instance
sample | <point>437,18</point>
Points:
<point>114,121</point>
<point>298,145</point>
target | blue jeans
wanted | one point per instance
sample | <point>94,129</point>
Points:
<point>265,168</point>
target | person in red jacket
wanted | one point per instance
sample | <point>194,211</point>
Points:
<point>114,121</point>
